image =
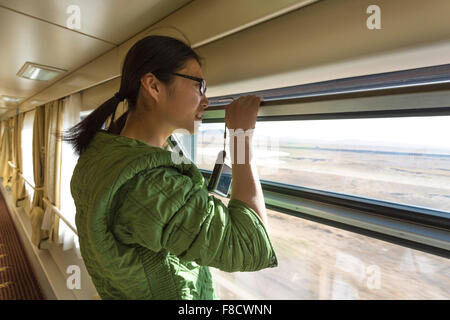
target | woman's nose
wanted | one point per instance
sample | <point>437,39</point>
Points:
<point>204,102</point>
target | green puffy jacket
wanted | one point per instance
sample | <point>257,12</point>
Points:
<point>148,229</point>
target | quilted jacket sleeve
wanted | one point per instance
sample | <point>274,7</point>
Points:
<point>163,210</point>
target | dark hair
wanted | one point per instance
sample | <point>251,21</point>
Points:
<point>159,55</point>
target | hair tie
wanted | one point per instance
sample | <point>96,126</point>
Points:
<point>118,96</point>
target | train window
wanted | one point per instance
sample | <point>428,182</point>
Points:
<point>71,116</point>
<point>27,152</point>
<point>316,261</point>
<point>187,142</point>
<point>403,160</point>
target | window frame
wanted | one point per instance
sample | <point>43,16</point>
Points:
<point>418,228</point>
<point>337,212</point>
<point>424,79</point>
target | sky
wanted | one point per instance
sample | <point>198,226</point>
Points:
<point>407,131</point>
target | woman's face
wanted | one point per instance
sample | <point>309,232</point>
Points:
<point>185,103</point>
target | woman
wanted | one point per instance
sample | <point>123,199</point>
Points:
<point>147,227</point>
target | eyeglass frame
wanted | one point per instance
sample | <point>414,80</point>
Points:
<point>199,80</point>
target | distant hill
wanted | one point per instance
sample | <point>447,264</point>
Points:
<point>347,144</point>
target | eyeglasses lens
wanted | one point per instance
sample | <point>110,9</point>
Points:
<point>203,87</point>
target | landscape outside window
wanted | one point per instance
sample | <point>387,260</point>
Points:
<point>400,160</point>
<point>316,261</point>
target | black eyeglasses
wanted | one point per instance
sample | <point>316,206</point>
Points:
<point>199,80</point>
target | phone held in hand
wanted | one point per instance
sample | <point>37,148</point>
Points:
<point>220,181</point>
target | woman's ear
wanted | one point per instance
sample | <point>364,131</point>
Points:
<point>151,85</point>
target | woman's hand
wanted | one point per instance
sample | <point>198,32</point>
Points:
<point>242,112</point>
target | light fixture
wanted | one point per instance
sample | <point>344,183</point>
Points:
<point>10,99</point>
<point>36,71</point>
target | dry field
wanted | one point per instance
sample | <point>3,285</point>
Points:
<point>316,261</point>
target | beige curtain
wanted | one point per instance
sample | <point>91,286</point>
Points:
<point>37,212</point>
<point>15,177</point>
<point>4,153</point>
<point>8,146</point>
<point>12,151</point>
<point>19,193</point>
<point>11,137</point>
<point>2,130</point>
<point>1,133</point>
<point>52,169</point>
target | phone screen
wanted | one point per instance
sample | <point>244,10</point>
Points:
<point>224,183</point>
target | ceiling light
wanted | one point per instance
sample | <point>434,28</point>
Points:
<point>36,71</point>
<point>10,99</point>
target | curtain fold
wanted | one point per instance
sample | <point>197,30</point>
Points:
<point>8,171</point>
<point>19,192</point>
<point>13,171</point>
<point>38,236</point>
<point>52,173</point>
<point>4,153</point>
<point>1,133</point>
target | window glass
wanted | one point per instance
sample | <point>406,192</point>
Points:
<point>316,261</point>
<point>404,160</point>
<point>27,152</point>
<point>70,117</point>
<point>187,141</point>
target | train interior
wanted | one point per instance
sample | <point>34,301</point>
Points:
<point>351,144</point>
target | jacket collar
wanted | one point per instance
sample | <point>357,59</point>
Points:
<point>134,156</point>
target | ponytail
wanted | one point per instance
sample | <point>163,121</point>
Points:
<point>160,55</point>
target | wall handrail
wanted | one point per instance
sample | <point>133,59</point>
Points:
<point>47,201</point>
<point>56,210</point>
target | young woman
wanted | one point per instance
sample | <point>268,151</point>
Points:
<point>148,229</point>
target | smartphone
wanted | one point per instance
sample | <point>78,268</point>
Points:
<point>221,177</point>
